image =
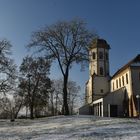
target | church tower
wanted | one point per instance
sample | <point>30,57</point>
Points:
<point>99,58</point>
<point>98,83</point>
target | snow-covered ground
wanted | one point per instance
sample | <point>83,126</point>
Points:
<point>71,128</point>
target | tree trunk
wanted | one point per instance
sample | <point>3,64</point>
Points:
<point>26,111</point>
<point>72,107</point>
<point>53,112</point>
<point>16,113</point>
<point>56,105</point>
<point>12,114</point>
<point>31,111</point>
<point>52,105</point>
<point>32,103</point>
<point>65,93</point>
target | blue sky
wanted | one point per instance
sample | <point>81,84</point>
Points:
<point>117,21</point>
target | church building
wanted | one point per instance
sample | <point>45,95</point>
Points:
<point>112,96</point>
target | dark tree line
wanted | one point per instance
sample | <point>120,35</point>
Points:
<point>35,82</point>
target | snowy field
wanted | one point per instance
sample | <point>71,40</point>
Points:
<point>71,128</point>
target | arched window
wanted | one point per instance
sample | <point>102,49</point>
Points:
<point>126,78</point>
<point>93,55</point>
<point>101,71</point>
<point>100,55</point>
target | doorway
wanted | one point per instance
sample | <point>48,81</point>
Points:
<point>113,111</point>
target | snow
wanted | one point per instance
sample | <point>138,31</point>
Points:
<point>71,128</point>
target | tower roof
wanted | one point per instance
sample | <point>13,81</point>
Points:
<point>99,43</point>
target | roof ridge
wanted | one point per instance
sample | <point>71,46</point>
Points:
<point>135,59</point>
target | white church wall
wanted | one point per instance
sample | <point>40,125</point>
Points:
<point>93,68</point>
<point>101,86</point>
<point>119,78</point>
<point>89,91</point>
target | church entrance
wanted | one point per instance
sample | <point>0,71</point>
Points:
<point>98,109</point>
<point>113,111</point>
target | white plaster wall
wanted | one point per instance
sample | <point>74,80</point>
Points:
<point>127,86</point>
<point>93,67</point>
<point>101,83</point>
<point>89,92</point>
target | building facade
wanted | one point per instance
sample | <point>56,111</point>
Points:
<point>111,96</point>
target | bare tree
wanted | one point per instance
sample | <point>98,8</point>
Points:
<point>57,99</point>
<point>7,67</point>
<point>73,94</point>
<point>7,108</point>
<point>18,103</point>
<point>35,82</point>
<point>66,42</point>
<point>8,76</point>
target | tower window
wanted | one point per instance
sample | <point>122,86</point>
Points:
<point>126,78</point>
<point>93,55</point>
<point>106,56</point>
<point>101,71</point>
<point>102,91</point>
<point>100,55</point>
